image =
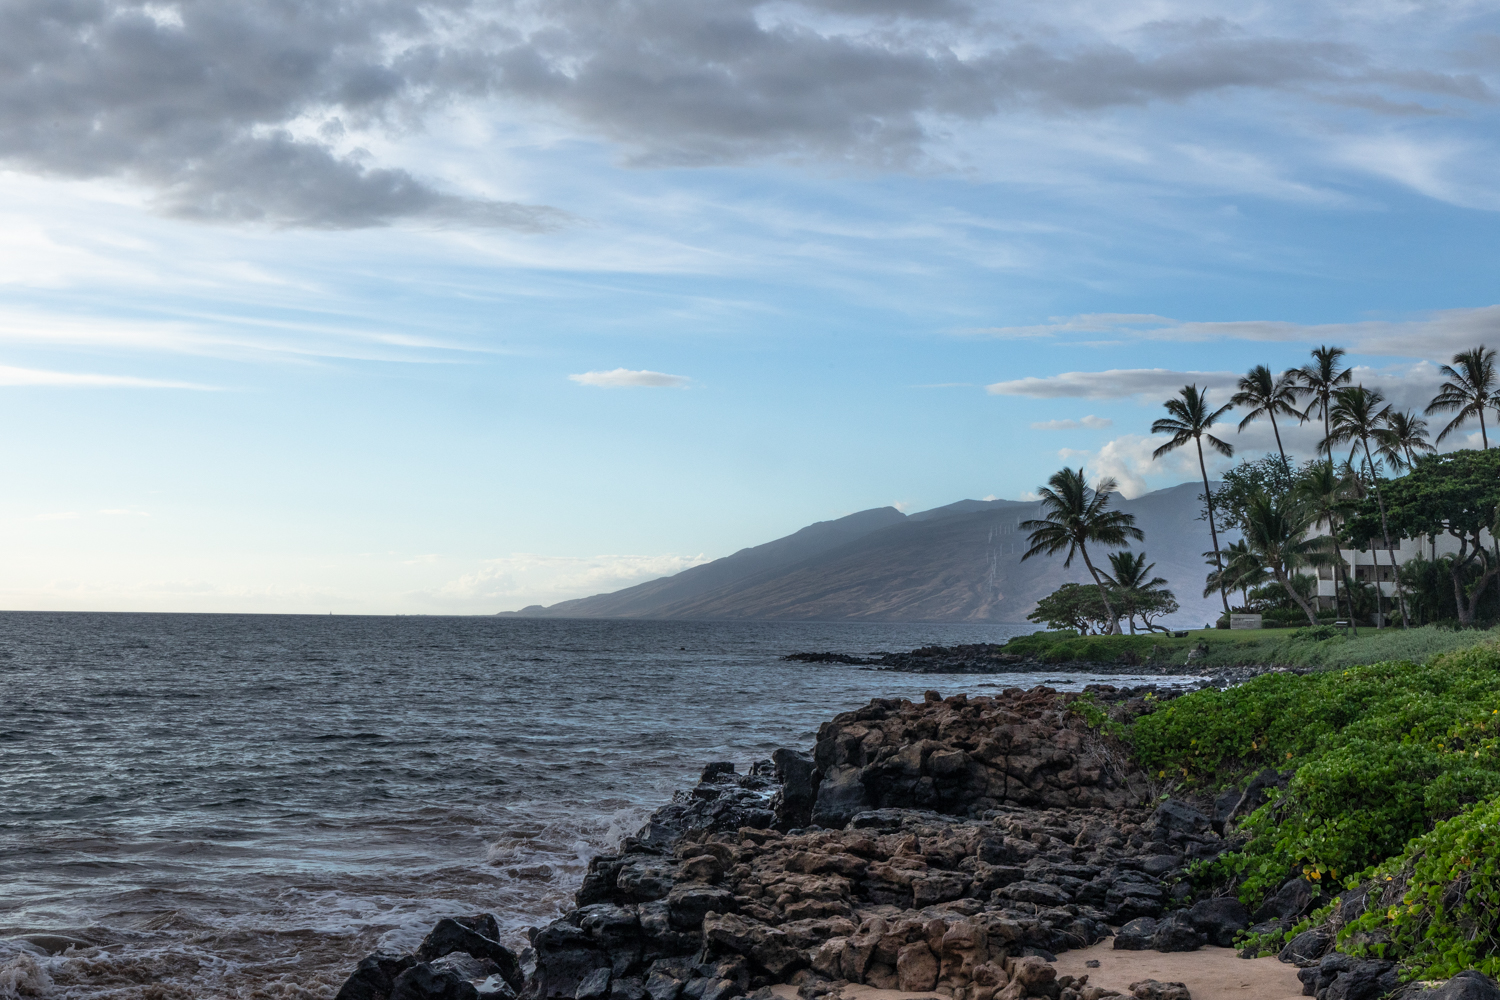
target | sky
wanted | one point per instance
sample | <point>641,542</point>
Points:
<point>452,308</point>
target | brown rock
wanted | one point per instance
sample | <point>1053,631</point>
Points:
<point>916,967</point>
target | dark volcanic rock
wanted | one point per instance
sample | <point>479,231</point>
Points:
<point>424,982</point>
<point>1220,919</point>
<point>1136,935</point>
<point>1291,901</point>
<point>1177,933</point>
<point>1469,985</point>
<point>374,977</point>
<point>477,936</point>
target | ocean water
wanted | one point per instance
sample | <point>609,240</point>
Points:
<point>243,806</point>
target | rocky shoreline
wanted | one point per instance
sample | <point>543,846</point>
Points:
<point>953,845</point>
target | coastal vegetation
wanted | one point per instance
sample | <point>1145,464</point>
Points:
<point>1389,796</point>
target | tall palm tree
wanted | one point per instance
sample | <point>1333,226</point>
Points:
<point>1402,439</point>
<point>1322,378</point>
<point>1073,515</point>
<point>1189,421</point>
<point>1242,570</point>
<point>1132,577</point>
<point>1325,490</point>
<point>1356,416</point>
<point>1276,532</point>
<point>1267,395</point>
<point>1469,389</point>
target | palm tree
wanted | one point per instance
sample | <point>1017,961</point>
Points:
<point>1074,515</point>
<point>1356,416</point>
<point>1322,378</point>
<point>1275,531</point>
<point>1402,439</point>
<point>1267,395</point>
<point>1325,491</point>
<point>1189,421</point>
<point>1469,389</point>
<point>1242,570</point>
<point>1132,577</point>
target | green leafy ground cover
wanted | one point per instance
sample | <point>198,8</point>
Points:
<point>1395,788</point>
<point>1304,647</point>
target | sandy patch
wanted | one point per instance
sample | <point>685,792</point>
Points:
<point>1209,973</point>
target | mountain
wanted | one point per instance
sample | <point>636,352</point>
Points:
<point>961,562</point>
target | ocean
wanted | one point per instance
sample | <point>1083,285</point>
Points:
<point>244,805</point>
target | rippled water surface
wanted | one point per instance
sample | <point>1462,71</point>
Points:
<point>224,805</point>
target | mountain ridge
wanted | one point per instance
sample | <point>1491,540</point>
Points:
<point>959,563</point>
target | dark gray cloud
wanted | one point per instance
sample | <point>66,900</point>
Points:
<point>232,109</point>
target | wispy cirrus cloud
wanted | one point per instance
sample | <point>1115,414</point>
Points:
<point>12,376</point>
<point>627,378</point>
<point>1117,383</point>
<point>1434,336</point>
<point>1092,422</point>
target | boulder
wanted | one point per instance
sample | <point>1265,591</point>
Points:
<point>1288,903</point>
<point>1177,933</point>
<point>1180,817</point>
<point>1136,935</point>
<point>767,946</point>
<point>594,986</point>
<point>1470,985</point>
<point>1151,989</point>
<point>1220,918</point>
<point>374,977</point>
<point>425,982</point>
<point>477,936</point>
<point>841,794</point>
<point>1307,948</point>
<point>1367,980</point>
<point>916,967</point>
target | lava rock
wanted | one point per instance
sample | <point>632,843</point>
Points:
<point>477,936</point>
<point>426,982</point>
<point>1220,918</point>
<point>374,977</point>
<point>1178,816</point>
<point>1469,985</point>
<point>1151,989</point>
<point>1290,901</point>
<point>1366,980</point>
<point>1136,935</point>
<point>1177,933</point>
<point>1307,948</point>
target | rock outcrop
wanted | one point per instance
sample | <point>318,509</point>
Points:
<point>951,844</point>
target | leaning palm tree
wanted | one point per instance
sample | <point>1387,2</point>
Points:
<point>1326,491</point>
<point>1268,395</point>
<point>1189,421</point>
<point>1322,378</point>
<point>1402,439</point>
<point>1276,532</point>
<point>1469,389</point>
<point>1356,416</point>
<point>1073,515</point>
<point>1132,578</point>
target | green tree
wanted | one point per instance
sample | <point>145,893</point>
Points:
<point>1073,605</point>
<point>1276,531</point>
<point>1356,416</point>
<point>1322,378</point>
<point>1402,439</point>
<point>1073,515</point>
<point>1469,390</point>
<point>1454,494</point>
<point>1190,420</point>
<point>1243,571</point>
<point>1249,479</point>
<point>1136,591</point>
<point>1267,395</point>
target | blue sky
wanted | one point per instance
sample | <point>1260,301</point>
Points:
<point>290,296</point>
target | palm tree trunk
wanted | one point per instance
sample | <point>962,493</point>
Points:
<point>1109,609</point>
<point>1327,431</point>
<point>1385,533</point>
<point>1277,432</point>
<point>1213,532</point>
<point>1338,555</point>
<point>1483,436</point>
<point>1286,585</point>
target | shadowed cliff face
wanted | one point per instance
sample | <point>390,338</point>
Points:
<point>957,563</point>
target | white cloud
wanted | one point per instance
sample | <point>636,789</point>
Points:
<point>1089,421</point>
<point>1117,383</point>
<point>626,377</point>
<point>1128,459</point>
<point>10,376</point>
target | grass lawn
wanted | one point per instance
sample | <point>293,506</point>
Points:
<point>1303,647</point>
